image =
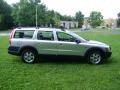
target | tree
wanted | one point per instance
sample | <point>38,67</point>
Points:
<point>56,18</point>
<point>24,13</point>
<point>35,1</point>
<point>80,18</point>
<point>6,20</point>
<point>95,19</point>
<point>118,20</point>
<point>67,18</point>
<point>53,18</point>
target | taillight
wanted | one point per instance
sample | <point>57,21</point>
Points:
<point>11,36</point>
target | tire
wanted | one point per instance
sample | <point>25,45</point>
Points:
<point>95,57</point>
<point>29,56</point>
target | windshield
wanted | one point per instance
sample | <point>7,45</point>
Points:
<point>76,36</point>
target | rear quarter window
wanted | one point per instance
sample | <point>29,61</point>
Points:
<point>24,34</point>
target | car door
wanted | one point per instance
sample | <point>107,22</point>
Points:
<point>67,44</point>
<point>46,43</point>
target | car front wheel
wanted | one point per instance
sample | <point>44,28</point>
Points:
<point>95,57</point>
<point>29,56</point>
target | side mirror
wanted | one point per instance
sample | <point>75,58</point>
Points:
<point>77,41</point>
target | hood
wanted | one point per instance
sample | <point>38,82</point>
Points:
<point>96,42</point>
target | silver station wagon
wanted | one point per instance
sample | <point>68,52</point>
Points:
<point>29,43</point>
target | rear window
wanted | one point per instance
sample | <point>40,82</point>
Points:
<point>24,34</point>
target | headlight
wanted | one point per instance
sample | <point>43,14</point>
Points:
<point>108,49</point>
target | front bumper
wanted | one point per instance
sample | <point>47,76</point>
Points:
<point>108,54</point>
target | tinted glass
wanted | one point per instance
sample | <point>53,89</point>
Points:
<point>65,37</point>
<point>45,35</point>
<point>24,34</point>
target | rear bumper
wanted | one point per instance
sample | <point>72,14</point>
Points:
<point>108,54</point>
<point>13,50</point>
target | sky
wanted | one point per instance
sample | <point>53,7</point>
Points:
<point>108,8</point>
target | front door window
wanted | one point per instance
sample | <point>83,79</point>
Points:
<point>65,37</point>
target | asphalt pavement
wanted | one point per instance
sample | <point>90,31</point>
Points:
<point>5,33</point>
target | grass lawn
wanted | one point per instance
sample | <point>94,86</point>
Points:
<point>62,75</point>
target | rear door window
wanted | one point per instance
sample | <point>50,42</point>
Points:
<point>24,34</point>
<point>45,35</point>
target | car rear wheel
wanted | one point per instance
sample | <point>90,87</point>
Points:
<point>95,57</point>
<point>29,56</point>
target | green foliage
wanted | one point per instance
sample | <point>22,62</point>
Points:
<point>24,14</point>
<point>67,18</point>
<point>118,20</point>
<point>80,18</point>
<point>56,21</point>
<point>6,20</point>
<point>35,1</point>
<point>95,19</point>
<point>53,18</point>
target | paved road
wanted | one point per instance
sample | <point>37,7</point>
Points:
<point>4,34</point>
